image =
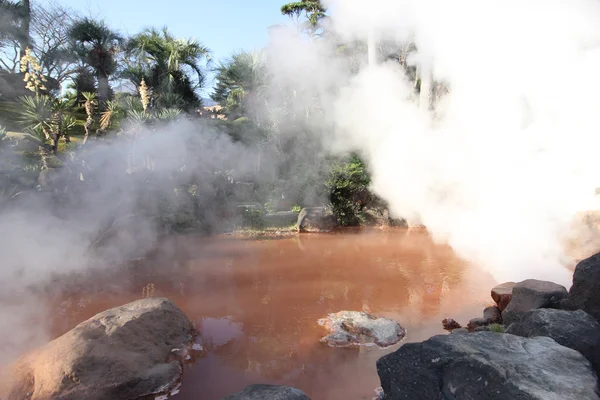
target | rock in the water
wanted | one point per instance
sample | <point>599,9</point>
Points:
<point>486,365</point>
<point>502,294</point>
<point>532,294</point>
<point>585,292</point>
<point>449,324</point>
<point>268,392</point>
<point>315,219</point>
<point>352,328</point>
<point>476,323</point>
<point>574,329</point>
<point>493,315</point>
<point>122,353</point>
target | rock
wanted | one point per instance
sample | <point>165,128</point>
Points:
<point>460,330</point>
<point>576,330</point>
<point>315,219</point>
<point>484,328</point>
<point>532,294</point>
<point>477,322</point>
<point>123,353</point>
<point>352,328</point>
<point>502,294</point>
<point>450,324</point>
<point>268,392</point>
<point>486,365</point>
<point>585,292</point>
<point>493,315</point>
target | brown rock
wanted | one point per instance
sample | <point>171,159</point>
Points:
<point>122,353</point>
<point>493,315</point>
<point>502,294</point>
<point>450,324</point>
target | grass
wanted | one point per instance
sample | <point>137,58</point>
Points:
<point>267,233</point>
<point>497,328</point>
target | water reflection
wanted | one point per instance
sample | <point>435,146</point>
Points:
<point>256,304</point>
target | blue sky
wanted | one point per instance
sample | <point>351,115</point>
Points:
<point>224,26</point>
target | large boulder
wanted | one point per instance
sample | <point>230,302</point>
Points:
<point>486,365</point>
<point>268,392</point>
<point>576,330</point>
<point>123,353</point>
<point>532,294</point>
<point>585,292</point>
<point>315,219</point>
<point>502,294</point>
<point>355,328</point>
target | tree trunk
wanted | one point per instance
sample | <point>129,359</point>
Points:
<point>88,126</point>
<point>43,156</point>
<point>25,39</point>
<point>103,89</point>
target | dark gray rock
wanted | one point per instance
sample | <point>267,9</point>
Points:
<point>484,328</point>
<point>576,330</point>
<point>585,292</point>
<point>493,315</point>
<point>476,323</point>
<point>486,365</point>
<point>315,219</point>
<point>502,294</point>
<point>532,294</point>
<point>460,330</point>
<point>268,392</point>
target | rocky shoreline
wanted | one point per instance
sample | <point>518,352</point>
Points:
<point>538,342</point>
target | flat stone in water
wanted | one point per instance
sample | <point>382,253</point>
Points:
<point>355,328</point>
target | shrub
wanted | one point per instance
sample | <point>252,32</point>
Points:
<point>497,328</point>
<point>297,209</point>
<point>348,187</point>
<point>253,218</point>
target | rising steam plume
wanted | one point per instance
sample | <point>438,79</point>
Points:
<point>508,158</point>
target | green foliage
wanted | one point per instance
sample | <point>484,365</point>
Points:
<point>96,45</point>
<point>497,328</point>
<point>348,188</point>
<point>253,218</point>
<point>240,82</point>
<point>171,67</point>
<point>297,208</point>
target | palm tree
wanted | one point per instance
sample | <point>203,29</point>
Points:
<point>172,68</point>
<point>15,20</point>
<point>96,45</point>
<point>240,84</point>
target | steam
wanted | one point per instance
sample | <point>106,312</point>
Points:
<point>507,159</point>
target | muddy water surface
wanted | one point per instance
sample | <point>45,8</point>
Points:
<point>256,304</point>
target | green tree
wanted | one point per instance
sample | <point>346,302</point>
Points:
<point>96,44</point>
<point>241,81</point>
<point>171,67</point>
<point>313,10</point>
<point>15,20</point>
<point>348,187</point>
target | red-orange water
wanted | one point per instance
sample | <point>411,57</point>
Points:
<point>256,304</point>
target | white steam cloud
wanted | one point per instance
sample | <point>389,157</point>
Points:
<point>509,158</point>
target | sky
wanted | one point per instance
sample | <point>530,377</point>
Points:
<point>224,26</point>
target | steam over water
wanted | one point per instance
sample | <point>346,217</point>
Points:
<point>502,165</point>
<point>256,304</point>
